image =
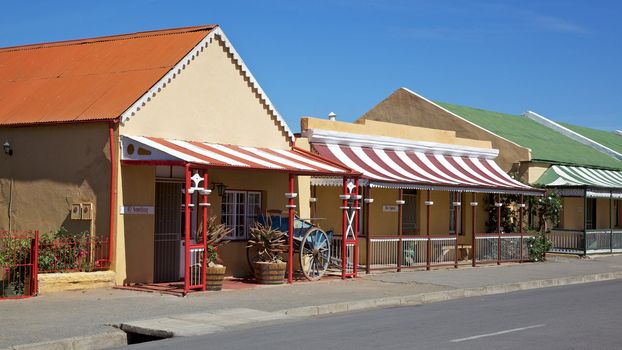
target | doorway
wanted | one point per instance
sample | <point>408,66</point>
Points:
<point>409,213</point>
<point>168,232</point>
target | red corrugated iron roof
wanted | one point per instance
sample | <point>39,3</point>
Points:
<point>87,79</point>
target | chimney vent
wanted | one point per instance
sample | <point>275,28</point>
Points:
<point>332,116</point>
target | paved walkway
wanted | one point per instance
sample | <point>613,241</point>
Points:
<point>71,314</point>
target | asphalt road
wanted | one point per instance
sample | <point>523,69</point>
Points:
<point>586,316</point>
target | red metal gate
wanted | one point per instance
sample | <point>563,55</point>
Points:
<point>18,268</point>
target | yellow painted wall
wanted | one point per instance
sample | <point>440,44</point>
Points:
<point>51,168</point>
<point>602,213</point>
<point>403,107</point>
<point>572,213</point>
<point>377,128</point>
<point>273,186</point>
<point>134,246</point>
<point>209,101</point>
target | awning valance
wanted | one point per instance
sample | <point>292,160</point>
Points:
<point>413,166</point>
<point>153,150</point>
<point>574,176</point>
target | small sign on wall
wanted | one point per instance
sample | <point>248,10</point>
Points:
<point>390,208</point>
<point>137,210</point>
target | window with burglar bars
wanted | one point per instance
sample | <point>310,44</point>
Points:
<point>239,211</point>
<point>454,197</point>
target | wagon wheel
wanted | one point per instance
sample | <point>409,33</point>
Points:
<point>314,254</point>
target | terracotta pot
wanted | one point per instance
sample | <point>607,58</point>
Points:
<point>270,273</point>
<point>214,277</point>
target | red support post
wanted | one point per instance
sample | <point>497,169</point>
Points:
<point>35,265</point>
<point>205,201</point>
<point>290,231</point>
<point>357,209</point>
<point>367,237</point>
<point>520,225</point>
<point>473,227</point>
<point>428,248</point>
<point>187,230</point>
<point>344,227</point>
<point>456,229</point>
<point>400,230</point>
<point>499,229</point>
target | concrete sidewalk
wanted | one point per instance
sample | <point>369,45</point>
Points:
<point>84,314</point>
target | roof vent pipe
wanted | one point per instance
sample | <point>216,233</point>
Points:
<point>332,116</point>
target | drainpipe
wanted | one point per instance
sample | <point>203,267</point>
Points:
<point>113,192</point>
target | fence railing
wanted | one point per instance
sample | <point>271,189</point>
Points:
<point>501,248</point>
<point>79,253</point>
<point>590,242</point>
<point>336,254</point>
<point>566,241</point>
<point>18,270</point>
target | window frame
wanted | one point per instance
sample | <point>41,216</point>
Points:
<point>248,212</point>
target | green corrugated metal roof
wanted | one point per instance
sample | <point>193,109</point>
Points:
<point>559,175</point>
<point>605,138</point>
<point>546,144</point>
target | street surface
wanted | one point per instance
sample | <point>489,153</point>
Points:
<point>586,316</point>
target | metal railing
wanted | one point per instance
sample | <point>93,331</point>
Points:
<point>501,248</point>
<point>336,254</point>
<point>590,241</point>
<point>18,270</point>
<point>566,241</point>
<point>80,253</point>
<point>395,252</point>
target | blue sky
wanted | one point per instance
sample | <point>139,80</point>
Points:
<point>561,59</point>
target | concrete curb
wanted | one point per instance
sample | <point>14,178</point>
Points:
<point>426,298</point>
<point>118,338</point>
<point>106,340</point>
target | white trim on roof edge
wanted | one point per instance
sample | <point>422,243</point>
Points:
<point>384,142</point>
<point>463,119</point>
<point>571,134</point>
<point>618,132</point>
<point>186,60</point>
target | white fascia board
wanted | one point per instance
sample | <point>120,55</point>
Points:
<point>465,120</point>
<point>571,134</point>
<point>184,62</point>
<point>384,142</point>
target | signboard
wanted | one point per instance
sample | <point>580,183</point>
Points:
<point>390,208</point>
<point>137,210</point>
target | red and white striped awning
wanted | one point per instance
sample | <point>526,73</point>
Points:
<point>159,151</point>
<point>421,166</point>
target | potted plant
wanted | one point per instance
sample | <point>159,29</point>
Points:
<point>215,271</point>
<point>269,243</point>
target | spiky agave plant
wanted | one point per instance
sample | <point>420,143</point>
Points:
<point>216,236</point>
<point>269,242</point>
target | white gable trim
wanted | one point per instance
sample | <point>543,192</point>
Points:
<point>571,134</point>
<point>463,119</point>
<point>191,56</point>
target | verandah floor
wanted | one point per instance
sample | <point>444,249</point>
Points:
<point>229,284</point>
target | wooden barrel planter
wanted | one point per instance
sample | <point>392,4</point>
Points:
<point>214,276</point>
<point>270,273</point>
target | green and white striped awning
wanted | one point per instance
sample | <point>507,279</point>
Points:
<point>574,176</point>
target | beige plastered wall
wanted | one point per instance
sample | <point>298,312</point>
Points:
<point>403,107</point>
<point>51,168</point>
<point>210,101</point>
<point>389,129</point>
<point>603,213</point>
<point>532,171</point>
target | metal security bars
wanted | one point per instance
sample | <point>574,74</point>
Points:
<point>18,268</point>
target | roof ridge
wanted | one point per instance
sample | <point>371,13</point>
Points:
<point>107,38</point>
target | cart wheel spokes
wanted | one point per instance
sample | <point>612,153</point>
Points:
<point>314,254</point>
